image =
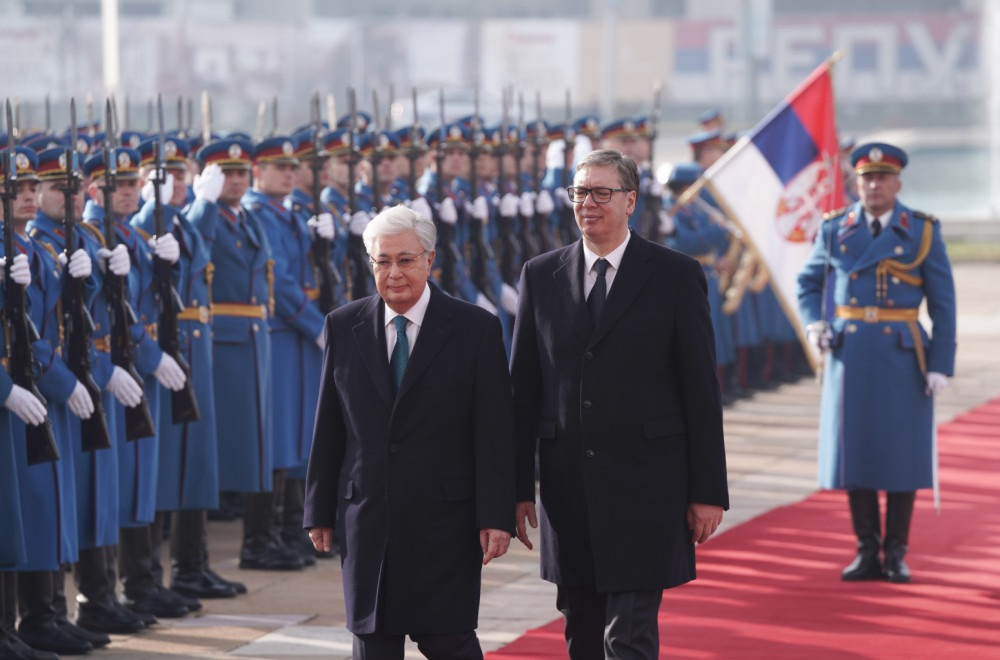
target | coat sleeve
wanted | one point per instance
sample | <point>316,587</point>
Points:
<point>694,353</point>
<point>327,454</point>
<point>939,288</point>
<point>811,278</point>
<point>526,378</point>
<point>494,433</point>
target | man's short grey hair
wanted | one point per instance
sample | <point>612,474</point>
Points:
<point>628,172</point>
<point>399,220</point>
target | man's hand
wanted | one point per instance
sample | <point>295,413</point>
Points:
<point>25,405</point>
<point>208,185</point>
<point>124,388</point>
<point>703,520</point>
<point>170,374</point>
<point>494,543</point>
<point>521,511</point>
<point>936,382</point>
<point>322,538</point>
<point>820,335</point>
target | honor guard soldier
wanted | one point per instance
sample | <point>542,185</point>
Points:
<point>137,458</point>
<point>883,369</point>
<point>242,305</point>
<point>711,120</point>
<point>413,162</point>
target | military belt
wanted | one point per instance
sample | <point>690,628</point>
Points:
<point>311,293</point>
<point>199,314</point>
<point>877,314</point>
<point>102,344</point>
<point>241,310</point>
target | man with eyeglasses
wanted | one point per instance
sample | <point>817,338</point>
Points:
<point>613,368</point>
<point>412,460</point>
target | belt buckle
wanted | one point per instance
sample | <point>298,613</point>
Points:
<point>203,314</point>
<point>871,314</point>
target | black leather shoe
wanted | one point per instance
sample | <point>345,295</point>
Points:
<point>200,585</point>
<point>866,566</point>
<point>896,569</point>
<point>8,652</point>
<point>26,651</point>
<point>53,638</point>
<point>193,604</point>
<point>96,639</point>
<point>238,587</point>
<point>270,558</point>
<point>107,619</point>
<point>157,605</point>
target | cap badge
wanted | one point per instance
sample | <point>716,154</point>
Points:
<point>124,160</point>
<point>287,148</point>
<point>235,151</point>
<point>21,162</point>
<point>875,154</point>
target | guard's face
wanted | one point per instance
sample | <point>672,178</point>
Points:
<point>25,207</point>
<point>338,172</point>
<point>456,163</point>
<point>401,286</point>
<point>275,179</point>
<point>877,191</point>
<point>603,224</point>
<point>180,186</point>
<point>387,169</point>
<point>125,199</point>
<point>52,202</point>
<point>235,185</point>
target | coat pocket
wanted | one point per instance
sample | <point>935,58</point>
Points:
<point>664,426</point>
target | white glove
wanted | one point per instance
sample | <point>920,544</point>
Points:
<point>421,207</point>
<point>508,298</point>
<point>545,205</point>
<point>480,209</point>
<point>80,403</point>
<point>24,404</point>
<point>208,184</point>
<point>118,260</point>
<point>562,199</point>
<point>666,223</point>
<point>820,335</point>
<point>526,206</point>
<point>509,205</point>
<point>322,226</point>
<point>358,222</point>
<point>936,383</point>
<point>20,271</point>
<point>447,211</point>
<point>166,190</point>
<point>169,373</point>
<point>124,388</point>
<point>79,265</point>
<point>165,247</point>
<point>485,303</point>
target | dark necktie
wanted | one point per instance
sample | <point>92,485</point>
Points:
<point>400,353</point>
<point>876,228</point>
<point>600,291</point>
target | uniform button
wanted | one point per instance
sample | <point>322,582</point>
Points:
<point>895,280</point>
<point>854,276</point>
<point>586,404</point>
<point>142,317</point>
<point>854,301</point>
<point>256,327</point>
<point>851,327</point>
<point>589,453</point>
<point>843,248</point>
<point>196,333</point>
<point>890,303</point>
<point>194,303</point>
<point>899,249</point>
<point>589,355</point>
<point>393,448</point>
<point>239,244</point>
<point>253,299</point>
<point>886,330</point>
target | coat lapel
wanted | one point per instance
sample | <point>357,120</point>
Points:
<point>889,243</point>
<point>369,333</point>
<point>629,280</point>
<point>569,284</point>
<point>433,335</point>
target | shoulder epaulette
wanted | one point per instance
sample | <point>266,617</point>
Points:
<point>925,216</point>
<point>835,214</point>
<point>93,231</point>
<point>142,233</point>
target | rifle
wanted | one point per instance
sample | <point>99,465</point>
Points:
<point>650,221</point>
<point>183,403</point>
<point>206,118</point>
<point>541,222</point>
<point>329,278</point>
<point>567,220</point>
<point>413,154</point>
<point>180,118</point>
<point>40,443</point>
<point>376,138</point>
<point>138,420</point>
<point>274,116</point>
<point>48,117</point>
<point>79,325</point>
<point>355,245</point>
<point>508,244</point>
<point>446,234</point>
<point>480,252</point>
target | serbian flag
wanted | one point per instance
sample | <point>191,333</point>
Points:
<point>776,183</point>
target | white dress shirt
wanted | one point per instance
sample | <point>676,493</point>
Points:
<point>614,261</point>
<point>414,317</point>
<point>883,219</point>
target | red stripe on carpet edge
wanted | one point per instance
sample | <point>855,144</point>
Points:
<point>770,588</point>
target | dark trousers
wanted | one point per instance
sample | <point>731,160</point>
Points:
<point>618,625</point>
<point>450,646</point>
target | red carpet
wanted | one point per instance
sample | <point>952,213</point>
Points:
<point>771,588</point>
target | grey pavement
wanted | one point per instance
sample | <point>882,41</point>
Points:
<point>771,455</point>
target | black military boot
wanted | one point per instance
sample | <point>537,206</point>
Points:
<point>865,518</point>
<point>187,538</point>
<point>96,639</point>
<point>38,627</point>
<point>136,568</point>
<point>12,646</point>
<point>261,550</point>
<point>97,609</point>
<point>898,513</point>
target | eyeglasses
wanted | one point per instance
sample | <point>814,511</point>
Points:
<point>578,195</point>
<point>405,263</point>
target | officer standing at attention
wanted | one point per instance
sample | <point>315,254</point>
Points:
<point>883,370</point>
